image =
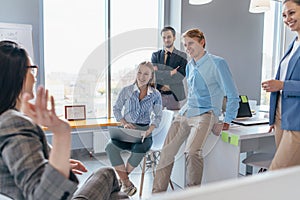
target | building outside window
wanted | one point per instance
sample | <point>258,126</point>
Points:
<point>78,54</point>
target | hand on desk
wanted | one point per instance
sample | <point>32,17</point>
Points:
<point>271,129</point>
<point>218,127</point>
<point>225,126</point>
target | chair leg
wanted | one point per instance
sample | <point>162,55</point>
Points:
<point>171,184</point>
<point>142,177</point>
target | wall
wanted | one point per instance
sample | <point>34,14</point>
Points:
<point>25,12</point>
<point>234,34</point>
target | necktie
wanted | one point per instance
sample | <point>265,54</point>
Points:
<point>168,58</point>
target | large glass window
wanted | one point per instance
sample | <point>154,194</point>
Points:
<point>77,47</point>
<point>272,44</point>
<point>134,38</point>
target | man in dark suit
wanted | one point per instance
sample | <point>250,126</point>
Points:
<point>169,65</point>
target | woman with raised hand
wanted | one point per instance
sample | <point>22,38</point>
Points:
<point>29,167</point>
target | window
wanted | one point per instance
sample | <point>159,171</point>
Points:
<point>78,56</point>
<point>272,39</point>
<point>138,32</point>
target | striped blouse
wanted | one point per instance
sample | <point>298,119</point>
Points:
<point>146,111</point>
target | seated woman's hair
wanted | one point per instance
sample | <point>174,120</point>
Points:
<point>13,66</point>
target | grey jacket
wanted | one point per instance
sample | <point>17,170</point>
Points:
<point>24,169</point>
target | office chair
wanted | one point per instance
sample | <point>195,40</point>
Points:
<point>158,137</point>
<point>4,197</point>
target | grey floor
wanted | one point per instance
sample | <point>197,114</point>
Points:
<point>93,162</point>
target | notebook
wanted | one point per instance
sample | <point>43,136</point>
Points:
<point>125,135</point>
<point>245,117</point>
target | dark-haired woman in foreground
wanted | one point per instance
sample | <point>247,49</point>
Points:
<point>28,170</point>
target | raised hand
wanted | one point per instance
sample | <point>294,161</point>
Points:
<point>41,114</point>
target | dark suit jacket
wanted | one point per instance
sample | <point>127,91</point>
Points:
<point>162,75</point>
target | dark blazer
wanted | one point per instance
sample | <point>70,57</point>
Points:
<point>290,98</point>
<point>162,75</point>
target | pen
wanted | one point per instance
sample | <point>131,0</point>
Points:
<point>143,138</point>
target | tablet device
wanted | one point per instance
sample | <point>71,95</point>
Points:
<point>125,134</point>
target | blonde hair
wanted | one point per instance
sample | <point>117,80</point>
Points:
<point>150,66</point>
<point>195,33</point>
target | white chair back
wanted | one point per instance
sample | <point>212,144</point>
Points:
<point>3,197</point>
<point>159,134</point>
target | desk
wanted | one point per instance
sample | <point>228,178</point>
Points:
<point>91,123</point>
<point>89,134</point>
<point>223,161</point>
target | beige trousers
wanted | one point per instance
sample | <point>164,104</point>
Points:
<point>195,131</point>
<point>287,143</point>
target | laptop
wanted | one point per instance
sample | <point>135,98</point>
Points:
<point>245,117</point>
<point>125,135</point>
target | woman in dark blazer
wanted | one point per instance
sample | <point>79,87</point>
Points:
<point>285,95</point>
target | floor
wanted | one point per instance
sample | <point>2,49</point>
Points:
<point>93,162</point>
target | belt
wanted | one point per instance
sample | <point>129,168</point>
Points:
<point>166,92</point>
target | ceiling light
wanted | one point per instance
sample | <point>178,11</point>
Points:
<point>259,6</point>
<point>199,2</point>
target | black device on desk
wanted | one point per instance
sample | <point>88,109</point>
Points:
<point>245,117</point>
<point>244,109</point>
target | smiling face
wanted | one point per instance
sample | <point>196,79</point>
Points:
<point>291,16</point>
<point>193,47</point>
<point>168,38</point>
<point>144,75</point>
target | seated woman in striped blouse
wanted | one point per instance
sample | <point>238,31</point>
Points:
<point>142,111</point>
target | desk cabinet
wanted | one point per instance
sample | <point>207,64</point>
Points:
<point>223,161</point>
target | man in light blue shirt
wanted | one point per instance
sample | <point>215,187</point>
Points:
<point>209,80</point>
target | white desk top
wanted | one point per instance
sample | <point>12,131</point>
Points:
<point>248,132</point>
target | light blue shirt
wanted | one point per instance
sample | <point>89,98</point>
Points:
<point>136,111</point>
<point>209,80</point>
